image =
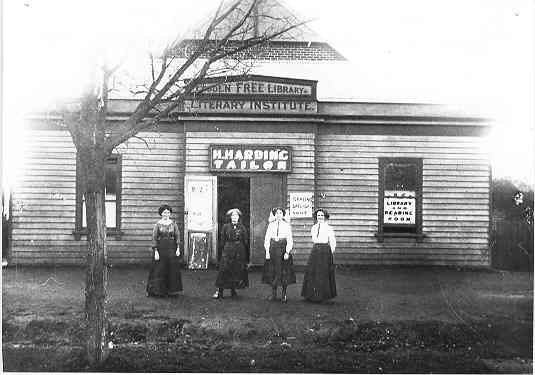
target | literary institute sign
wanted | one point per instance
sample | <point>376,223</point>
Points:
<point>254,94</point>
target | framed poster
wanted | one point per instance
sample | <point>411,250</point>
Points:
<point>199,248</point>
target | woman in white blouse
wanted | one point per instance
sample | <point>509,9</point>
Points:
<point>319,283</point>
<point>278,243</point>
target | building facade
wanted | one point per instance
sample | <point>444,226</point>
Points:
<point>404,183</point>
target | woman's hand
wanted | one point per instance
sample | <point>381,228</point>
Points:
<point>177,252</point>
<point>286,256</point>
<point>156,255</point>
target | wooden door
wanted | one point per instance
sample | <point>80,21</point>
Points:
<point>267,191</point>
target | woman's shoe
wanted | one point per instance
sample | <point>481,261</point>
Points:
<point>217,295</point>
<point>284,299</point>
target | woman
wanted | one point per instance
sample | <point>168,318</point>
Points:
<point>319,283</point>
<point>278,243</point>
<point>164,276</point>
<point>233,256</point>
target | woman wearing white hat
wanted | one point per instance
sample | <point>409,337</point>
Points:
<point>233,256</point>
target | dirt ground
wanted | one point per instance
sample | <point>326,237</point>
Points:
<point>383,320</point>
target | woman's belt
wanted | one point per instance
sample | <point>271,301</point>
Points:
<point>278,239</point>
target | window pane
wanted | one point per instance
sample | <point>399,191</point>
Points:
<point>111,179</point>
<point>110,215</point>
<point>400,176</point>
<point>84,222</point>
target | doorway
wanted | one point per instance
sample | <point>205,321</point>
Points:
<point>233,192</point>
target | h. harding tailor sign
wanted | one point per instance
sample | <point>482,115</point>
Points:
<point>253,94</point>
<point>250,158</point>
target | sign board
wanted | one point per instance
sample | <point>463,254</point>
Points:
<point>200,205</point>
<point>254,87</point>
<point>300,205</point>
<point>253,94</point>
<point>199,248</point>
<point>399,207</point>
<point>250,106</point>
<point>250,158</point>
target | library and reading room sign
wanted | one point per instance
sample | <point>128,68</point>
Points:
<point>250,158</point>
<point>254,94</point>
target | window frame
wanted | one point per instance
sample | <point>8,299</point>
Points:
<point>79,230</point>
<point>381,234</point>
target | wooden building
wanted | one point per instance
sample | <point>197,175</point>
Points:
<point>404,183</point>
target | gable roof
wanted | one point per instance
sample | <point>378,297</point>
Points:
<point>268,16</point>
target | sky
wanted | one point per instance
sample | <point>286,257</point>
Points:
<point>479,54</point>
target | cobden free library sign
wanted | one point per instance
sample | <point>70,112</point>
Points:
<point>253,94</point>
<point>250,158</point>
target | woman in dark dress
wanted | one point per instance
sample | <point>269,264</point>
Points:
<point>164,276</point>
<point>233,256</point>
<point>278,243</point>
<point>319,283</point>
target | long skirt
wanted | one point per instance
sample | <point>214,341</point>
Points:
<point>233,267</point>
<point>319,283</point>
<point>164,276</point>
<point>277,271</point>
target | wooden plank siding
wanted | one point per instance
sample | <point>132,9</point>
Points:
<point>42,229</point>
<point>301,179</point>
<point>455,198</point>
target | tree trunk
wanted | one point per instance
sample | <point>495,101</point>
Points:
<point>90,139</point>
<point>93,179</point>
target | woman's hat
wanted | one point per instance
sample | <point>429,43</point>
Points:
<point>232,210</point>
<point>164,207</point>
<point>325,213</point>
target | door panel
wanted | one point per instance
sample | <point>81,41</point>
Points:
<point>267,191</point>
<point>200,209</point>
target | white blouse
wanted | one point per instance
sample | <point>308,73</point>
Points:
<point>279,230</point>
<point>325,235</point>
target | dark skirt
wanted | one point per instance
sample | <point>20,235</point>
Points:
<point>164,276</point>
<point>232,267</point>
<point>277,271</point>
<point>319,283</point>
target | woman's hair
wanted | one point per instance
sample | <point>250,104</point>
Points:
<point>232,210</point>
<point>164,207</point>
<point>275,209</point>
<point>315,214</point>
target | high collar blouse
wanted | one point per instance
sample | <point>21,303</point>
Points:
<point>278,230</point>
<point>323,233</point>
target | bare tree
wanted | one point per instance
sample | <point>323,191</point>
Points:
<point>231,38</point>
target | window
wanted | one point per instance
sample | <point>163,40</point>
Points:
<point>112,200</point>
<point>400,198</point>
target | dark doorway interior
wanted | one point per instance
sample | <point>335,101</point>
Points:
<point>233,192</point>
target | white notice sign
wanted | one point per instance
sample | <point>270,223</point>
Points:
<point>399,207</point>
<point>200,205</point>
<point>300,205</point>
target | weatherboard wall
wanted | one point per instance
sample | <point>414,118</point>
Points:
<point>455,198</point>
<point>44,200</point>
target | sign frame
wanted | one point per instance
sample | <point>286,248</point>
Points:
<point>212,169</point>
